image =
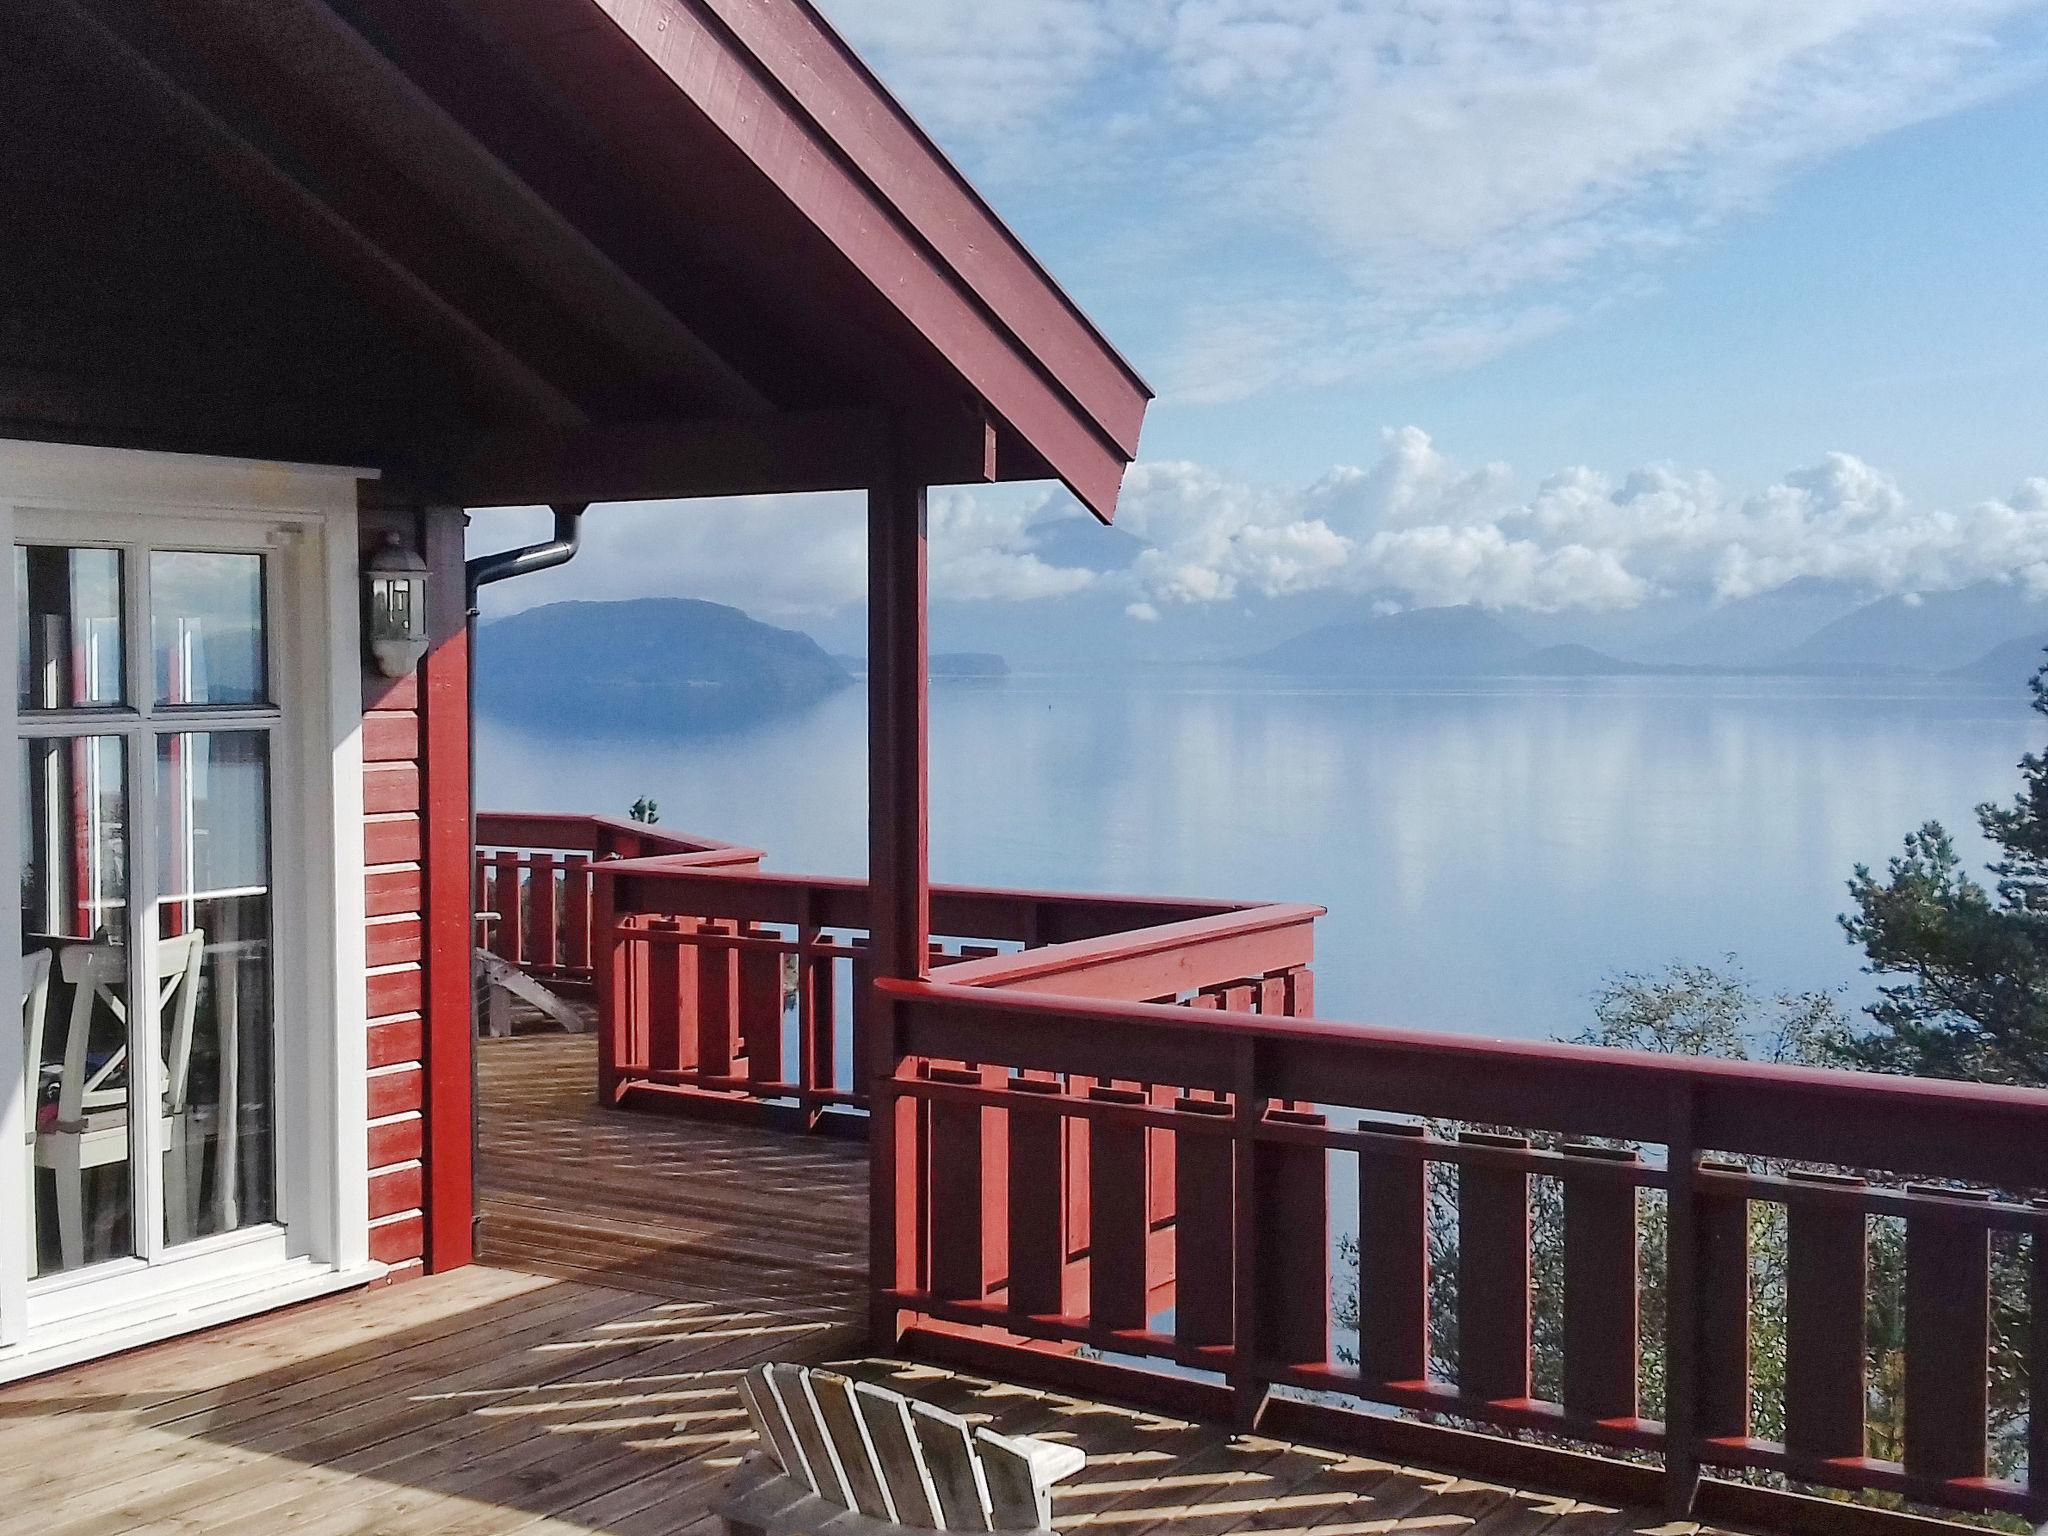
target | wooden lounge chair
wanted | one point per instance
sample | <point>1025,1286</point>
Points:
<point>859,1460</point>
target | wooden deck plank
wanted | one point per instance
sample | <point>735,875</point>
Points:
<point>582,1378</point>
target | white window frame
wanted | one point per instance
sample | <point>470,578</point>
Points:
<point>305,518</point>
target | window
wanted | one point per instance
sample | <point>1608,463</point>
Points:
<point>152,1127</point>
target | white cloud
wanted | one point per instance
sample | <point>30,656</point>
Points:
<point>1420,528</point>
<point>1415,527</point>
<point>1352,188</point>
<point>980,551</point>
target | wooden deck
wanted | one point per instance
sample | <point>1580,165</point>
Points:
<point>581,1378</point>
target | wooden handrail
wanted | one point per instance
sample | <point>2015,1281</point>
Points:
<point>1241,1118</point>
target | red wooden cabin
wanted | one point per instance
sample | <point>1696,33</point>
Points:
<point>288,286</point>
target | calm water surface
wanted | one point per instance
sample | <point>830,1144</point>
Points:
<point>1488,852</point>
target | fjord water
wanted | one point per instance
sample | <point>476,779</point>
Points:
<point>1488,850</point>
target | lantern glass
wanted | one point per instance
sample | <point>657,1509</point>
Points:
<point>395,608</point>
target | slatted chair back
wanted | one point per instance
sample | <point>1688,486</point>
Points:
<point>35,1014</point>
<point>98,976</point>
<point>891,1461</point>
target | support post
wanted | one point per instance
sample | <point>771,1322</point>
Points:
<point>449,905</point>
<point>899,876</point>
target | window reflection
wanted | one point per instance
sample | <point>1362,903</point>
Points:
<point>206,628</point>
<point>73,811</point>
<point>214,960</point>
<point>67,632</point>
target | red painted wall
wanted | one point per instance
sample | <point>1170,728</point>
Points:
<point>417,900</point>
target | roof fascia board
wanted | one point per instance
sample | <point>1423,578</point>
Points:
<point>732,91</point>
<point>853,108</point>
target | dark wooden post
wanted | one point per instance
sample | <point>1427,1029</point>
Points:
<point>899,876</point>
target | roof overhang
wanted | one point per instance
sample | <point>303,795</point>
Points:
<point>622,249</point>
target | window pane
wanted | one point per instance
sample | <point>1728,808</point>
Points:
<point>74,997</point>
<point>214,970</point>
<point>206,626</point>
<point>68,627</point>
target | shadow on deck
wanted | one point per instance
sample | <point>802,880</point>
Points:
<point>581,1377</point>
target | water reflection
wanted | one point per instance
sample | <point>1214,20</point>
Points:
<point>1487,852</point>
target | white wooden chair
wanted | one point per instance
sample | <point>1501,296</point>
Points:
<point>844,1457</point>
<point>91,1126</point>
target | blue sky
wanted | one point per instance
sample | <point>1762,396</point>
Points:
<point>1546,304</point>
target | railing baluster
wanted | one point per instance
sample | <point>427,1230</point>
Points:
<point>511,945</point>
<point>1119,1217</point>
<point>1393,1260</point>
<point>1827,1276</point>
<point>813,982</point>
<point>1721,1290</point>
<point>671,998</point>
<point>1205,1194</point>
<point>576,914</point>
<point>1291,1192</point>
<point>1493,1274</point>
<point>1601,1315</point>
<point>1948,1340</point>
<point>761,1008</point>
<point>718,993</point>
<point>541,895</point>
<point>1039,1272</point>
<point>969,1186</point>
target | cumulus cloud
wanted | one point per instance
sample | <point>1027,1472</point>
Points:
<point>1413,527</point>
<point>1360,189</point>
<point>1417,528</point>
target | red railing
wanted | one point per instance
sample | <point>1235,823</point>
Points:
<point>533,886</point>
<point>1239,1132</point>
<point>745,991</point>
<point>1539,1250</point>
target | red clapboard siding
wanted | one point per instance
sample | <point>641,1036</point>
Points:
<point>396,1189</point>
<point>395,1141</point>
<point>395,1092</point>
<point>391,737</point>
<point>391,840</point>
<point>412,1269</point>
<point>393,992</point>
<point>396,1040</point>
<point>394,1242</point>
<point>381,692</point>
<point>390,787</point>
<point>417,895</point>
<point>391,893</point>
<point>395,941</point>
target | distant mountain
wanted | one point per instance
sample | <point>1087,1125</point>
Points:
<point>1422,642</point>
<point>1572,660</point>
<point>2011,665</point>
<point>1751,631</point>
<point>1926,632</point>
<point>650,662</point>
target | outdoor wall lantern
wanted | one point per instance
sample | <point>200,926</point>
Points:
<point>395,599</point>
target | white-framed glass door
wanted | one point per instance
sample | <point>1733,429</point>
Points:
<point>153,750</point>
